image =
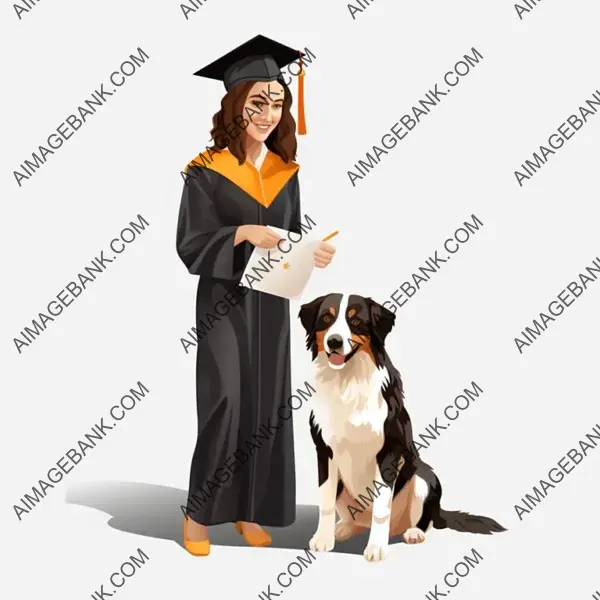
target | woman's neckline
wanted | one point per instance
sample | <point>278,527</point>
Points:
<point>260,159</point>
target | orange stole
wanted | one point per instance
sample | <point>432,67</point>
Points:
<point>263,186</point>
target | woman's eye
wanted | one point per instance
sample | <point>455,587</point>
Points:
<point>278,106</point>
<point>355,322</point>
<point>258,105</point>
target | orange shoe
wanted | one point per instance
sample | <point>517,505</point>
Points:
<point>200,548</point>
<point>255,538</point>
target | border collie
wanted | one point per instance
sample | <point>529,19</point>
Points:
<point>363,435</point>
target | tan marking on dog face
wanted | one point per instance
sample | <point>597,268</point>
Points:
<point>365,344</point>
<point>332,310</point>
<point>351,313</point>
<point>321,340</point>
<point>329,319</point>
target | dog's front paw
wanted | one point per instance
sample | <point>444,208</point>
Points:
<point>322,542</point>
<point>413,536</point>
<point>374,552</point>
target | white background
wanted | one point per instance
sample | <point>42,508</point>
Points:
<point>459,327</point>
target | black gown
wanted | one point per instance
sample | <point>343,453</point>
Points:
<point>243,463</point>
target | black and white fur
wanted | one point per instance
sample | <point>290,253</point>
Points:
<point>361,429</point>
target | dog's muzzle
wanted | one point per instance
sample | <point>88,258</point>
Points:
<point>335,355</point>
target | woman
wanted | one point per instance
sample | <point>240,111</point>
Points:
<point>233,191</point>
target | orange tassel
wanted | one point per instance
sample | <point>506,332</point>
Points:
<point>301,117</point>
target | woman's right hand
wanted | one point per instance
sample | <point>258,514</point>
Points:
<point>258,235</point>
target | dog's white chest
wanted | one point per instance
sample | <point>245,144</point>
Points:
<point>355,437</point>
<point>340,427</point>
<point>351,412</point>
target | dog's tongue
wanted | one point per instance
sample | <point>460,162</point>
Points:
<point>336,359</point>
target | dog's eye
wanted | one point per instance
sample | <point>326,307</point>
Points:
<point>355,322</point>
<point>327,319</point>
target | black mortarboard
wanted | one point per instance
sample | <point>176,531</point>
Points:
<point>259,59</point>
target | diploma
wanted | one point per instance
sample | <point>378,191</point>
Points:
<point>282,272</point>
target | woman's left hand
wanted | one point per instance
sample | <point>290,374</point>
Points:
<point>323,255</point>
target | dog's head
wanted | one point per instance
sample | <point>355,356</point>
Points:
<point>341,325</point>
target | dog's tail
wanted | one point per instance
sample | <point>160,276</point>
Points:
<point>463,521</point>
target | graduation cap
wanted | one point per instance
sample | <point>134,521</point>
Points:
<point>259,59</point>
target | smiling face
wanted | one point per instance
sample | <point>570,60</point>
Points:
<point>341,325</point>
<point>265,105</point>
<point>255,113</point>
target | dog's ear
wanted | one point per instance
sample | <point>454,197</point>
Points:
<point>382,321</point>
<point>308,317</point>
<point>308,314</point>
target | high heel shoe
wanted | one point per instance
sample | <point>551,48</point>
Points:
<point>258,538</point>
<point>196,548</point>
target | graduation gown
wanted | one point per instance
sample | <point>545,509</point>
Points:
<point>243,463</point>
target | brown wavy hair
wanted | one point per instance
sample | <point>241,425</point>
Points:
<point>281,141</point>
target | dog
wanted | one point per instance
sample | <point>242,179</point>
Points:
<point>363,435</point>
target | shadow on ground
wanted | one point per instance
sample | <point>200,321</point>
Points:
<point>154,511</point>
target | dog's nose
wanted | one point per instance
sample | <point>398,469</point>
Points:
<point>335,342</point>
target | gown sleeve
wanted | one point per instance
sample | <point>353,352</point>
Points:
<point>296,215</point>
<point>204,242</point>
